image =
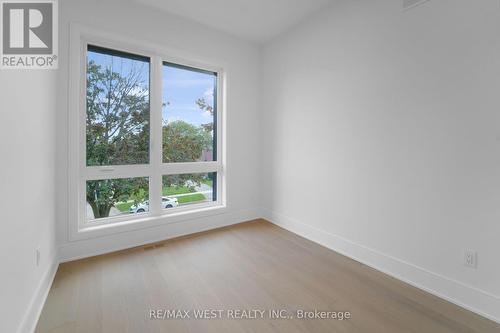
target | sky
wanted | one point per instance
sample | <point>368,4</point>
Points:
<point>181,87</point>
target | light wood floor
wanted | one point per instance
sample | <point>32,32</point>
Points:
<point>254,265</point>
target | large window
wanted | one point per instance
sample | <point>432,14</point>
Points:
<point>151,138</point>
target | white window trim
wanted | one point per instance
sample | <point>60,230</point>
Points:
<point>80,228</point>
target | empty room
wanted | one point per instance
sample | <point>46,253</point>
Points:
<point>250,166</point>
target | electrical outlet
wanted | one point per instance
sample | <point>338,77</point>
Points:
<point>37,257</point>
<point>470,258</point>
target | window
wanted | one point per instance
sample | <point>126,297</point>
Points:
<point>189,126</point>
<point>149,138</point>
<point>188,189</point>
<point>117,108</point>
<point>114,197</point>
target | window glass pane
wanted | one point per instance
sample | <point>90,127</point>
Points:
<point>187,189</point>
<point>117,108</point>
<point>114,197</point>
<point>189,114</point>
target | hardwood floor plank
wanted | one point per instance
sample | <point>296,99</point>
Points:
<point>254,265</point>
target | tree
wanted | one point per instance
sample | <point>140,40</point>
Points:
<point>205,106</point>
<point>102,195</point>
<point>117,116</point>
<point>117,133</point>
<point>184,142</point>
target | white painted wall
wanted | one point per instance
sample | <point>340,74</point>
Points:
<point>381,139</point>
<point>240,61</point>
<point>27,181</point>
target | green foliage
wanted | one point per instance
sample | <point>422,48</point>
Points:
<point>184,142</point>
<point>103,194</point>
<point>208,181</point>
<point>124,206</point>
<point>204,105</point>
<point>184,182</point>
<point>118,134</point>
<point>117,117</point>
<point>175,189</point>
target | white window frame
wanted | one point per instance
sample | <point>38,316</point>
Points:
<point>79,173</point>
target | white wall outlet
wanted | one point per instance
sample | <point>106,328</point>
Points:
<point>37,257</point>
<point>470,258</point>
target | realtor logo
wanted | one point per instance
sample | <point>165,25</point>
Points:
<point>29,34</point>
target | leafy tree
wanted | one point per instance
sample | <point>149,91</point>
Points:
<point>184,180</point>
<point>117,116</point>
<point>102,195</point>
<point>205,106</point>
<point>117,133</point>
<point>184,142</point>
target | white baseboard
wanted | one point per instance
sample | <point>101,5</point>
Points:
<point>100,245</point>
<point>30,319</point>
<point>468,297</point>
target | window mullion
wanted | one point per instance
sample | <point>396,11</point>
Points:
<point>190,167</point>
<point>155,186</point>
<point>118,171</point>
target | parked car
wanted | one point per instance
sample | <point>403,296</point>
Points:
<point>142,207</point>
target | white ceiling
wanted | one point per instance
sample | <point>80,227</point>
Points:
<point>256,20</point>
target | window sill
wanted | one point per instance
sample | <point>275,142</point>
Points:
<point>145,221</point>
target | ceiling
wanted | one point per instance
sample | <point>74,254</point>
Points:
<point>255,20</point>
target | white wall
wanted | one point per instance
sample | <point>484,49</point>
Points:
<point>240,61</point>
<point>382,139</point>
<point>27,181</point>
<point>380,136</point>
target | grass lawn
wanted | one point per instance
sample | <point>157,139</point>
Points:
<point>124,206</point>
<point>173,190</point>
<point>191,198</point>
<point>208,182</point>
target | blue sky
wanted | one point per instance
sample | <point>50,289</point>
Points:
<point>181,87</point>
